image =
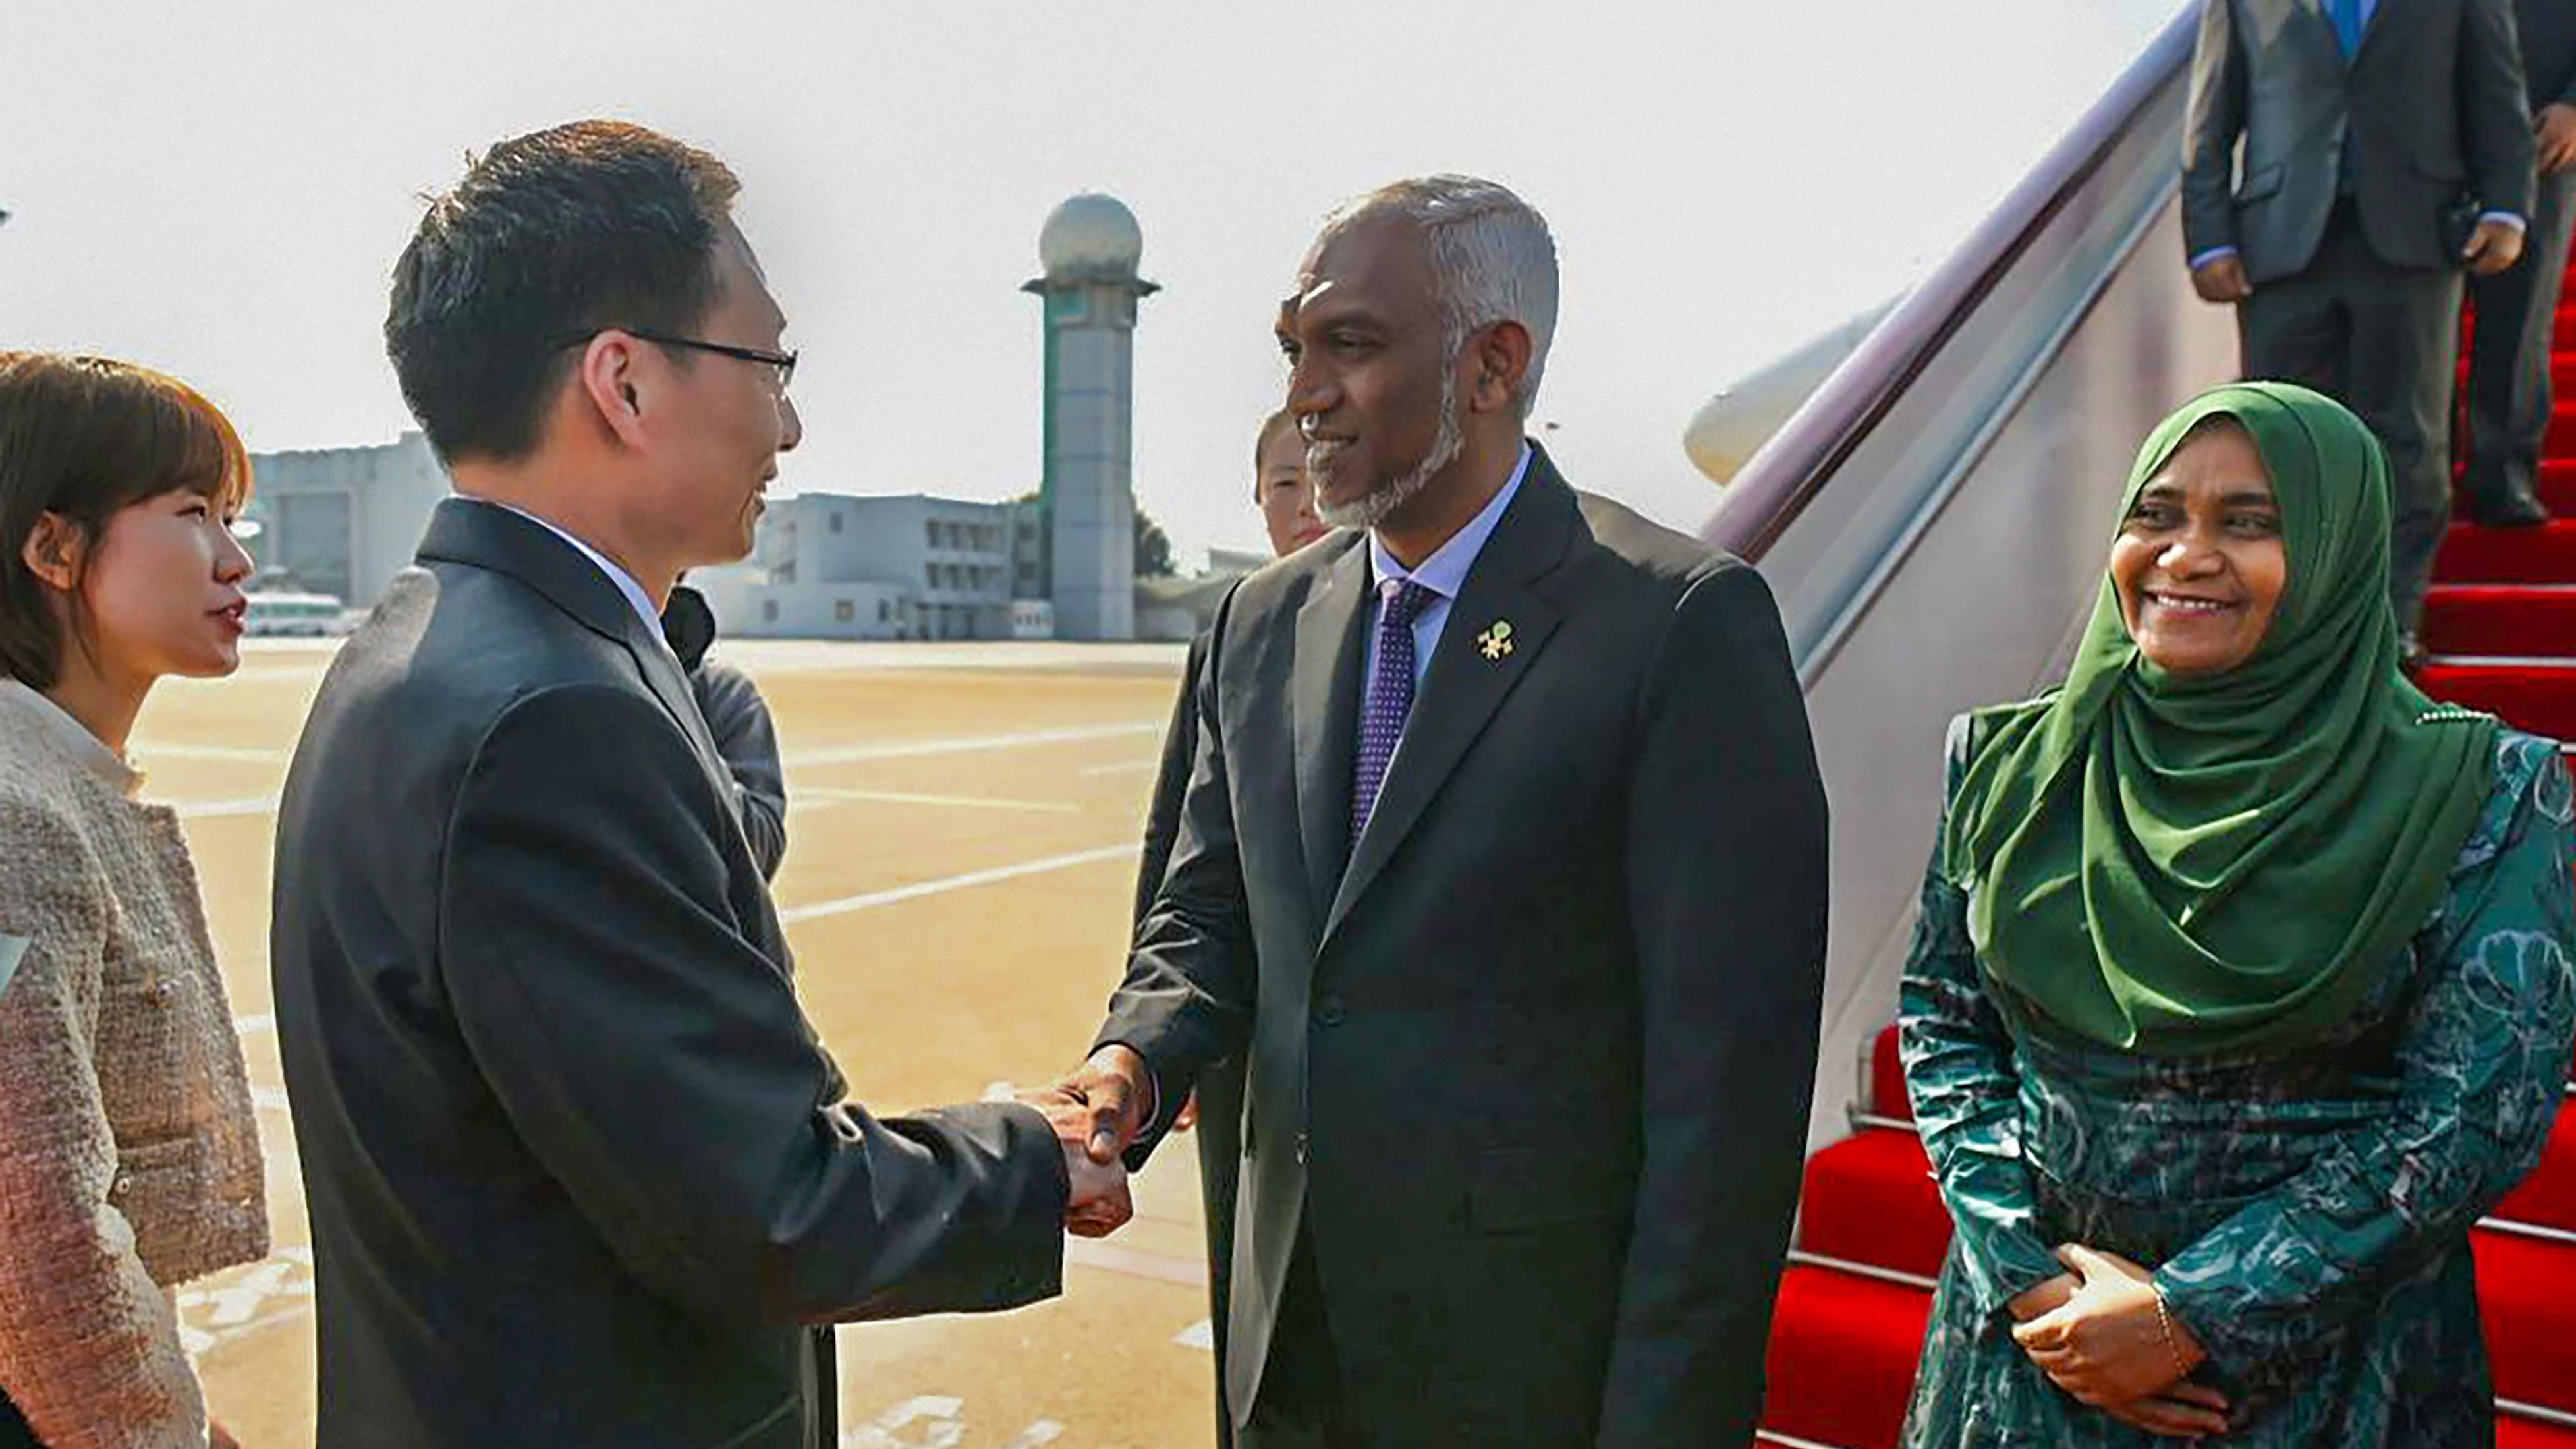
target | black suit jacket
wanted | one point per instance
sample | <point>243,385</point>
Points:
<point>1171,779</point>
<point>738,720</point>
<point>2548,32</point>
<point>2434,100</point>
<point>746,740</point>
<point>1533,1071</point>
<point>579,1171</point>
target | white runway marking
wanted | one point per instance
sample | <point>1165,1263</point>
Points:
<point>968,744</point>
<point>172,750</point>
<point>800,759</point>
<point>1109,1257</point>
<point>1199,1335</point>
<point>261,1296</point>
<point>253,1025</point>
<point>218,809</point>
<point>943,1430</point>
<point>936,1421</point>
<point>1123,767</point>
<point>819,795</point>
<point>899,894</point>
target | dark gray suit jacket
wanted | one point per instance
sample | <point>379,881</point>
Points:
<point>2434,100</point>
<point>746,739</point>
<point>1533,1072</point>
<point>578,1169</point>
<point>1171,779</point>
<point>2548,32</point>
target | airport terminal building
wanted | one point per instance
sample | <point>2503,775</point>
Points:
<point>839,566</point>
<point>343,521</point>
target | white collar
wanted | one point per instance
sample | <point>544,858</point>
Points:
<point>625,582</point>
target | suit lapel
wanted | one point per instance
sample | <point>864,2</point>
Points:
<point>486,535</point>
<point>2311,15</point>
<point>1332,655</point>
<point>1468,679</point>
<point>662,675</point>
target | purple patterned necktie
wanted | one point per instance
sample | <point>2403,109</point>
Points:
<point>1390,695</point>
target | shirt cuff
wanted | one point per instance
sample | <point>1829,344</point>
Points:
<point>2512,219</point>
<point>2211,255</point>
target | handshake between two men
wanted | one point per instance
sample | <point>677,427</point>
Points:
<point>1097,1112</point>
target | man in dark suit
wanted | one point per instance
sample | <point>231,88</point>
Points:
<point>738,721</point>
<point>2509,384</point>
<point>579,1172</point>
<point>1527,971</point>
<point>1287,504</point>
<point>2386,143</point>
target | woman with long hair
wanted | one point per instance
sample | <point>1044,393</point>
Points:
<point>129,1158</point>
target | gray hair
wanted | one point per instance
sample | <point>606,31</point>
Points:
<point>1492,259</point>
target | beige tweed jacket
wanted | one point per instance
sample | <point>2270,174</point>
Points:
<point>129,1159</point>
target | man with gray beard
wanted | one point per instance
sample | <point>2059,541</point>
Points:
<point>1503,866</point>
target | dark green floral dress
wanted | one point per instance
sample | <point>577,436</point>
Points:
<point>2306,1214</point>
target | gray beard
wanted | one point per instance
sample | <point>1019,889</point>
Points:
<point>1380,503</point>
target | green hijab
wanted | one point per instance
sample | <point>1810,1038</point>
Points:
<point>2182,865</point>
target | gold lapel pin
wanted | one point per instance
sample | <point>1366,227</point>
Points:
<point>1496,641</point>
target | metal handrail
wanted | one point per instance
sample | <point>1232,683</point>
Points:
<point>1778,482</point>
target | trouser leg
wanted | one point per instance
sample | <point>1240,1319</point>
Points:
<point>1220,1145</point>
<point>2509,387</point>
<point>2405,340</point>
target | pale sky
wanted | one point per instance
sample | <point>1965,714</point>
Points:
<point>220,190</point>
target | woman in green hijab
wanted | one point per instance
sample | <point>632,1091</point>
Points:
<point>2241,986</point>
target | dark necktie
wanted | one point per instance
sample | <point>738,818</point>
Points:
<point>1390,695</point>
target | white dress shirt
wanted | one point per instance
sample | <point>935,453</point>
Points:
<point>1444,574</point>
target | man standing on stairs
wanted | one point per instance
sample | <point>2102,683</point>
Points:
<point>2509,382</point>
<point>2386,144</point>
<point>1503,866</point>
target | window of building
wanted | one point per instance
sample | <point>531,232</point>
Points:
<point>844,611</point>
<point>836,521</point>
<point>885,611</point>
<point>769,611</point>
<point>930,575</point>
<point>930,533</point>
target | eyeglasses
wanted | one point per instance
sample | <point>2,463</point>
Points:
<point>781,363</point>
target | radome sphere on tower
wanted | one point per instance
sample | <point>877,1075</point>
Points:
<point>1094,233</point>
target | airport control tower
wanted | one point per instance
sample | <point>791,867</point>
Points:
<point>1089,248</point>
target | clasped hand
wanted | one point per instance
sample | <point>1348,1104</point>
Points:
<point>1097,1110</point>
<point>2098,1332</point>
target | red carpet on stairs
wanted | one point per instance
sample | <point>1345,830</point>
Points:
<point>1869,1199</point>
<point>2501,623</point>
<point>1887,1080</point>
<point>1842,1377</point>
<point>2529,1434</point>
